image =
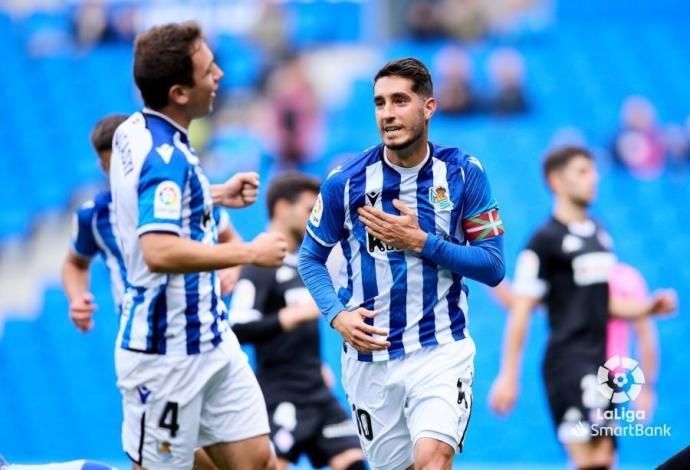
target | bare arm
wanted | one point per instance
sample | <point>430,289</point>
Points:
<point>75,279</point>
<point>661,303</point>
<point>505,388</point>
<point>168,253</point>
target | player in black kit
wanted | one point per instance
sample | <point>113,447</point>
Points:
<point>272,309</point>
<point>566,266</point>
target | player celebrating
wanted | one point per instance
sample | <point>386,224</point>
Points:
<point>413,218</point>
<point>272,309</point>
<point>566,264</point>
<point>184,380</point>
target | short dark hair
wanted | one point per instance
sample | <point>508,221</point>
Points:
<point>289,186</point>
<point>163,58</point>
<point>104,130</point>
<point>412,69</point>
<point>559,157</point>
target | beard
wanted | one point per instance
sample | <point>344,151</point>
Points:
<point>581,202</point>
<point>417,132</point>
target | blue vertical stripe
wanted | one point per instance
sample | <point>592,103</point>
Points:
<point>426,216</point>
<point>158,322</point>
<point>345,293</point>
<point>191,281</point>
<point>368,267</point>
<point>457,316</point>
<point>398,265</point>
<point>105,229</point>
<point>217,316</point>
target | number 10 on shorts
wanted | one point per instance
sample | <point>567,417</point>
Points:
<point>363,419</point>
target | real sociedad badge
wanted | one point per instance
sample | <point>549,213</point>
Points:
<point>438,197</point>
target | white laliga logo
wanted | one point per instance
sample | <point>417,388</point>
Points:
<point>626,377</point>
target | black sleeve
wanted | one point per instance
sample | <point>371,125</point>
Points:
<point>248,317</point>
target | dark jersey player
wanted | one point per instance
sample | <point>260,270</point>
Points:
<point>566,266</point>
<point>272,309</point>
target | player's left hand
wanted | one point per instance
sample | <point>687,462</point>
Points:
<point>402,231</point>
<point>241,190</point>
<point>664,302</point>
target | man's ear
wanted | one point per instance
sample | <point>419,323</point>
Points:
<point>429,107</point>
<point>178,94</point>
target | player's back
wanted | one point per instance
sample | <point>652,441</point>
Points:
<point>158,186</point>
<point>420,303</point>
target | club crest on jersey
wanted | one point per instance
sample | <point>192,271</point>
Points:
<point>438,197</point>
<point>317,211</point>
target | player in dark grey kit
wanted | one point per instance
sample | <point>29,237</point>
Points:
<point>272,309</point>
<point>566,266</point>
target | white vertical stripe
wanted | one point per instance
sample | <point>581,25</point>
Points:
<point>445,279</point>
<point>414,303</point>
<point>384,278</point>
<point>116,285</point>
<point>140,328</point>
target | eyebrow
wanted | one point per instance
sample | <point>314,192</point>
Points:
<point>396,95</point>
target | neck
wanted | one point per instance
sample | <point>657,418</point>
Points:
<point>566,211</point>
<point>177,115</point>
<point>411,155</point>
<point>292,242</point>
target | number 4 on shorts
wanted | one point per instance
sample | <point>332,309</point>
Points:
<point>169,418</point>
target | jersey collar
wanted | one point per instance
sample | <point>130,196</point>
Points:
<point>166,119</point>
<point>404,170</point>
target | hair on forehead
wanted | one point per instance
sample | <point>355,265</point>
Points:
<point>558,158</point>
<point>412,69</point>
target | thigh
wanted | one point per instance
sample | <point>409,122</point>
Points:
<point>377,411</point>
<point>233,407</point>
<point>575,402</point>
<point>253,453</point>
<point>439,404</point>
<point>292,429</point>
<point>335,434</point>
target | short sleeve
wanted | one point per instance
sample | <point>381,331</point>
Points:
<point>327,218</point>
<point>480,219</point>
<point>160,194</point>
<point>250,295</point>
<point>531,270</point>
<point>83,239</point>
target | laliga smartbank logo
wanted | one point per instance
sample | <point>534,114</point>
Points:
<point>620,381</point>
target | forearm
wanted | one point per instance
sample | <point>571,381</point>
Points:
<point>648,349</point>
<point>217,191</point>
<point>75,279</point>
<point>167,253</point>
<point>258,331</point>
<point>513,343</point>
<point>628,309</point>
<point>312,269</point>
<point>481,262</point>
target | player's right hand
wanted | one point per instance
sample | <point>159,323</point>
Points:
<point>357,334</point>
<point>503,395</point>
<point>270,249</point>
<point>81,310</point>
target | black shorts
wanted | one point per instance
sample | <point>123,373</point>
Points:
<point>321,431</point>
<point>577,407</point>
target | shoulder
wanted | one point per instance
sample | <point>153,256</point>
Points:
<point>458,161</point>
<point>102,201</point>
<point>548,234</point>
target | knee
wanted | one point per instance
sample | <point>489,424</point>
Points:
<point>433,456</point>
<point>351,459</point>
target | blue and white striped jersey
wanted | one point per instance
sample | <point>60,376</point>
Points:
<point>418,302</point>
<point>158,186</point>
<point>93,234</point>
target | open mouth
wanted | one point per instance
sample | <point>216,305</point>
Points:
<point>390,130</point>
